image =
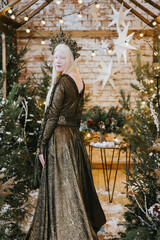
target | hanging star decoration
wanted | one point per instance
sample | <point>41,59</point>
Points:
<point>122,44</point>
<point>119,17</point>
<point>103,46</point>
<point>107,74</point>
<point>94,11</point>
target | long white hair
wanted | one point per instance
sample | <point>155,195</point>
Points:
<point>70,66</point>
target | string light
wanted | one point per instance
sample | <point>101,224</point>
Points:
<point>88,134</point>
<point>79,15</point>
<point>13,16</point>
<point>155,53</point>
<point>80,1</point>
<point>159,36</point>
<point>26,18</point>
<point>28,30</point>
<point>93,54</point>
<point>43,22</point>
<point>151,81</point>
<point>61,20</point>
<point>10,11</point>
<point>97,5</point>
<point>154,23</point>
<point>43,42</point>
<point>141,34</point>
<point>58,2</point>
<point>109,51</point>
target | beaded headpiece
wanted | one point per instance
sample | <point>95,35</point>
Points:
<point>62,38</point>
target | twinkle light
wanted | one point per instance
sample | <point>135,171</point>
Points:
<point>151,81</point>
<point>28,30</point>
<point>13,16</point>
<point>43,22</point>
<point>79,15</point>
<point>10,11</point>
<point>44,103</point>
<point>151,89</point>
<point>26,18</point>
<point>93,53</point>
<point>109,51</point>
<point>141,34</point>
<point>43,42</point>
<point>58,2</point>
<point>97,5</point>
<point>159,36</point>
<point>88,134</point>
<point>61,20</point>
<point>80,1</point>
<point>155,53</point>
<point>154,23</point>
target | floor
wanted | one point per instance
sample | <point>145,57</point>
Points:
<point>113,211</point>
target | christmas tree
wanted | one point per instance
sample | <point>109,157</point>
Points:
<point>20,118</point>
<point>141,131</point>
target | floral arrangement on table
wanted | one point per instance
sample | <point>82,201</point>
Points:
<point>97,119</point>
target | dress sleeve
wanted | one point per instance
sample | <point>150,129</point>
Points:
<point>52,115</point>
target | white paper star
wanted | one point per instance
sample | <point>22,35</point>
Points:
<point>121,44</point>
<point>119,17</point>
<point>94,11</point>
<point>103,46</point>
<point>107,74</point>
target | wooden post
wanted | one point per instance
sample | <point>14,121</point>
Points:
<point>4,64</point>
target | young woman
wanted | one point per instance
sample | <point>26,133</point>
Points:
<point>68,207</point>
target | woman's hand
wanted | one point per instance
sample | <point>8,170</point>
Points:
<point>41,158</point>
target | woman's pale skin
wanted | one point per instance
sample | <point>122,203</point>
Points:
<point>60,65</point>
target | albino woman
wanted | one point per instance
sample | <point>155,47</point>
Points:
<point>68,207</point>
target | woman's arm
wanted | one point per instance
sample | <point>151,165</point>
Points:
<point>53,113</point>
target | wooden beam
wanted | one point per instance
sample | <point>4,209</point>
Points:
<point>5,29</point>
<point>144,8</point>
<point>26,7</point>
<point>7,7</point>
<point>136,13</point>
<point>153,4</point>
<point>9,21</point>
<point>4,64</point>
<point>43,5</point>
<point>80,34</point>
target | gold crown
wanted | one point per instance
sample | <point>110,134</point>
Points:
<point>61,37</point>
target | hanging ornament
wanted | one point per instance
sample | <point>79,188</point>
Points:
<point>107,74</point>
<point>122,44</point>
<point>103,47</point>
<point>119,17</point>
<point>94,11</point>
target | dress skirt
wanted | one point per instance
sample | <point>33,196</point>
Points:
<point>67,207</point>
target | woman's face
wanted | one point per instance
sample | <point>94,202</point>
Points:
<point>59,60</point>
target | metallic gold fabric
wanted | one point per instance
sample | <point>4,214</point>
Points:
<point>68,207</point>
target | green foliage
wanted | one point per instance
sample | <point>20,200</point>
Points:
<point>97,119</point>
<point>125,101</point>
<point>141,131</point>
<point>15,62</point>
<point>20,116</point>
